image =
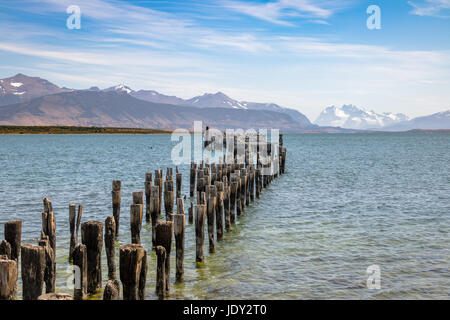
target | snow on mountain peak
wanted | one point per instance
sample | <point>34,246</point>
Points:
<point>352,117</point>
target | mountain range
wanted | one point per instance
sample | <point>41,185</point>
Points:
<point>352,117</point>
<point>29,101</point>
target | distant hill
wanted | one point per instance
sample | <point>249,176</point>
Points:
<point>21,88</point>
<point>119,109</point>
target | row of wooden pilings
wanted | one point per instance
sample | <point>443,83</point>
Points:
<point>222,192</point>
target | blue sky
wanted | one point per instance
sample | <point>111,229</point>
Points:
<point>303,54</point>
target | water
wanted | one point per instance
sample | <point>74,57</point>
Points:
<point>345,203</point>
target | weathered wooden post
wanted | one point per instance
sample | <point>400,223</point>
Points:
<point>5,250</point>
<point>136,222</point>
<point>226,203</point>
<point>199,232</point>
<point>159,183</point>
<point>161,272</point>
<point>164,231</point>
<point>116,195</point>
<point>233,199</point>
<point>80,213</point>
<point>179,223</point>
<point>50,264</point>
<point>154,205</point>
<point>79,256</point>
<point>49,233</point>
<point>211,208</point>
<point>200,182</point>
<point>191,213</point>
<point>192,179</point>
<point>133,271</point>
<point>8,279</point>
<point>92,237</point>
<point>219,210</point>
<point>110,232</point>
<point>179,184</point>
<point>73,244</point>
<point>13,235</point>
<point>148,187</point>
<point>33,268</point>
<point>112,290</point>
<point>168,199</point>
<point>258,183</point>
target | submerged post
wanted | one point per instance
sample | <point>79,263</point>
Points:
<point>219,210</point>
<point>179,180</point>
<point>116,195</point>
<point>13,235</point>
<point>168,199</point>
<point>92,237</point>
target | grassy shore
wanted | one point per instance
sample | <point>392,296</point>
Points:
<point>75,130</point>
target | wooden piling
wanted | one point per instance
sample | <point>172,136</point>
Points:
<point>226,203</point>
<point>168,199</point>
<point>33,267</point>
<point>110,232</point>
<point>148,186</point>
<point>116,195</point>
<point>154,205</point>
<point>161,272</point>
<point>192,179</point>
<point>80,213</point>
<point>13,235</point>
<point>199,232</point>
<point>233,200</point>
<point>191,213</point>
<point>136,222</point>
<point>112,290</point>
<point>79,257</point>
<point>179,224</point>
<point>133,271</point>
<point>179,181</point>
<point>92,237</point>
<point>211,210</point>
<point>50,264</point>
<point>219,210</point>
<point>5,249</point>
<point>8,279</point>
<point>73,244</point>
<point>159,183</point>
<point>164,231</point>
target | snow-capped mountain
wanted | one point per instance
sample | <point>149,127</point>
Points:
<point>156,97</point>
<point>440,120</point>
<point>216,100</point>
<point>20,88</point>
<point>352,117</point>
<point>119,88</point>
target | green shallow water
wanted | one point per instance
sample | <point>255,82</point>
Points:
<point>346,202</point>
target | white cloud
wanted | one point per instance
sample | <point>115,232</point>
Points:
<point>432,8</point>
<point>278,11</point>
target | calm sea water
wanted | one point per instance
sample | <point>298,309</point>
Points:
<point>345,203</point>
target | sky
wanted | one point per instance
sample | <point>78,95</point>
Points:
<point>302,54</point>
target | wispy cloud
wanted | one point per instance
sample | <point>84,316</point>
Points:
<point>431,8</point>
<point>280,11</point>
